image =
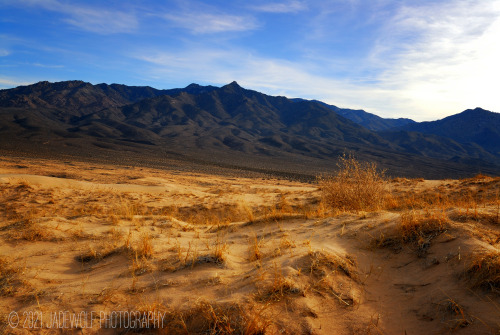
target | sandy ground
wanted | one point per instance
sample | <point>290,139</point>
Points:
<point>215,254</point>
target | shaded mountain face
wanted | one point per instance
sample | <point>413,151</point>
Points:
<point>227,125</point>
<point>83,98</point>
<point>473,126</point>
<point>368,120</point>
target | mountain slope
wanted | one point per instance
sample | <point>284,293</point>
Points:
<point>368,120</point>
<point>228,125</point>
<point>477,126</point>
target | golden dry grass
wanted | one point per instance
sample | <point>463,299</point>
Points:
<point>357,186</point>
<point>484,270</point>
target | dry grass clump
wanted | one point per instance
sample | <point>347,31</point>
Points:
<point>144,246</point>
<point>219,250</point>
<point>140,265</point>
<point>357,186</point>
<point>29,229</point>
<point>321,264</point>
<point>98,251</point>
<point>255,249</point>
<point>212,318</point>
<point>453,315</point>
<point>9,277</point>
<point>278,288</point>
<point>484,271</point>
<point>203,318</point>
<point>179,260</point>
<point>488,218</point>
<point>417,228</point>
<point>215,214</point>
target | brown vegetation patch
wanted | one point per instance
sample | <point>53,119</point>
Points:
<point>10,277</point>
<point>357,186</point>
<point>484,270</point>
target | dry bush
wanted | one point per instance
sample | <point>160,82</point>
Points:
<point>254,248</point>
<point>178,261</point>
<point>484,271</point>
<point>417,228</point>
<point>357,186</point>
<point>98,252</point>
<point>145,246</point>
<point>249,212</point>
<point>321,263</point>
<point>9,277</point>
<point>485,218</point>
<point>208,318</point>
<point>29,229</point>
<point>278,288</point>
<point>286,243</point>
<point>141,265</point>
<point>215,214</point>
<point>453,315</point>
<point>220,250</point>
<point>128,209</point>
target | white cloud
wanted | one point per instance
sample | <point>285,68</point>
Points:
<point>4,53</point>
<point>48,66</point>
<point>271,76</point>
<point>9,82</point>
<point>94,19</point>
<point>206,23</point>
<point>281,7</point>
<point>100,21</point>
<point>441,58</point>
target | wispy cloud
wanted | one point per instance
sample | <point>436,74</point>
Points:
<point>48,66</point>
<point>199,18</point>
<point>280,7</point>
<point>269,75</point>
<point>94,19</point>
<point>9,82</point>
<point>100,21</point>
<point>441,56</point>
<point>4,53</point>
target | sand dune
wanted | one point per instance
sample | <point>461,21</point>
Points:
<point>243,255</point>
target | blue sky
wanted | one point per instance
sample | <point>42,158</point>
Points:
<point>420,59</point>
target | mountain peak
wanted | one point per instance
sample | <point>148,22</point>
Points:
<point>232,88</point>
<point>233,85</point>
<point>477,110</point>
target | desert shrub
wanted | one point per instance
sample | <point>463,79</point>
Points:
<point>417,226</point>
<point>9,277</point>
<point>204,317</point>
<point>484,271</point>
<point>357,186</point>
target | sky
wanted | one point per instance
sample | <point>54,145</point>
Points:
<point>420,59</point>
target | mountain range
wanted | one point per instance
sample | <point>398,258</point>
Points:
<point>234,127</point>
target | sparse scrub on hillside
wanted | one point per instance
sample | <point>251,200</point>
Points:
<point>98,252</point>
<point>321,263</point>
<point>255,248</point>
<point>10,278</point>
<point>417,228</point>
<point>29,229</point>
<point>484,271</point>
<point>453,315</point>
<point>357,186</point>
<point>205,317</point>
<point>278,288</point>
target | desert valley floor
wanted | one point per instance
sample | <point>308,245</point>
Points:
<point>222,253</point>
